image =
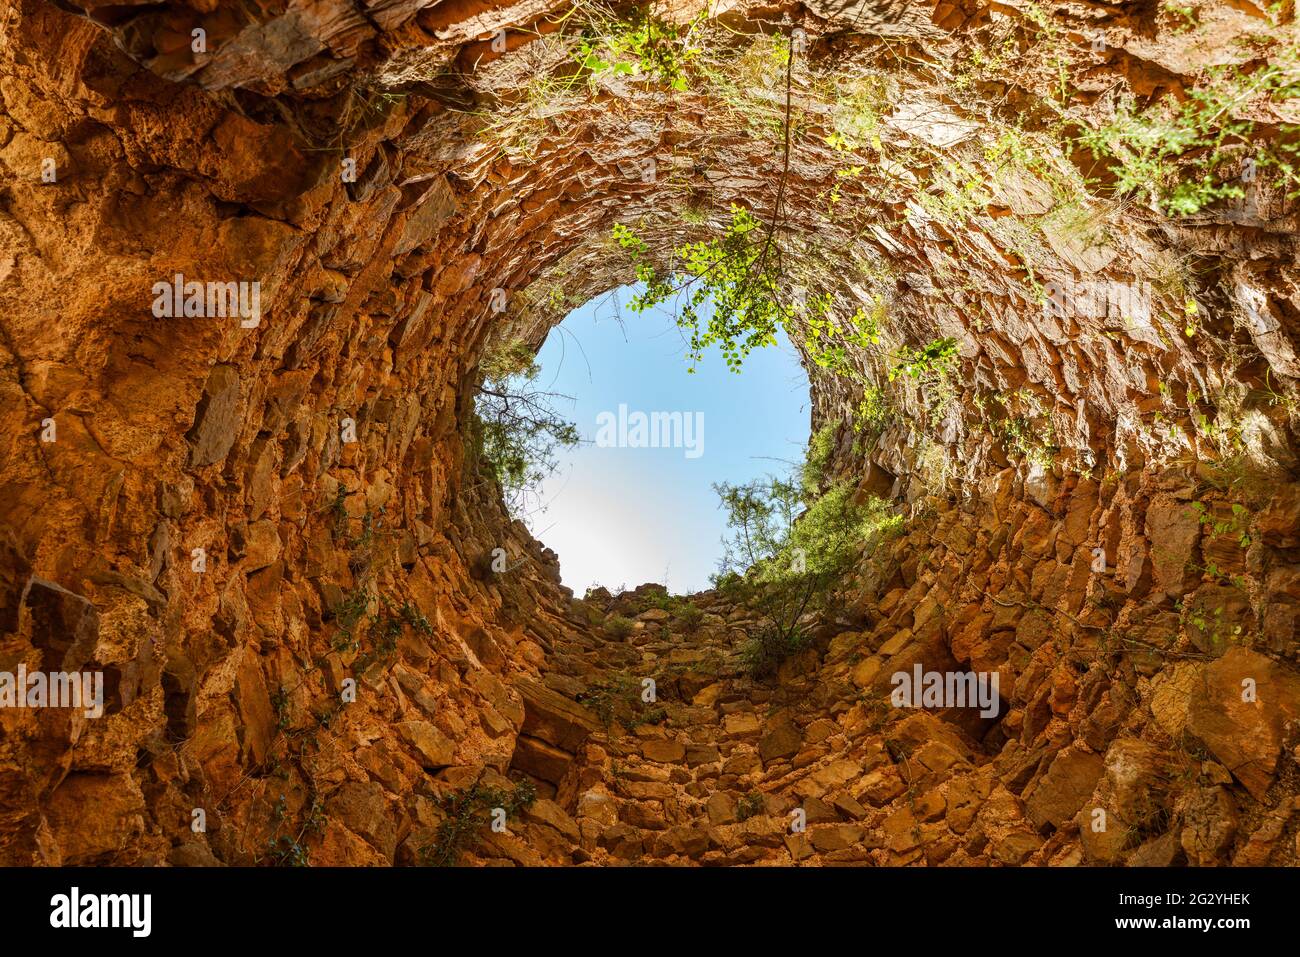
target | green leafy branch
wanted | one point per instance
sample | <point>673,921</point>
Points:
<point>1174,154</point>
<point>643,45</point>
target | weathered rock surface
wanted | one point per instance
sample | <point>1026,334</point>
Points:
<point>269,538</point>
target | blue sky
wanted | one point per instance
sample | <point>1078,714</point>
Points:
<point>623,515</point>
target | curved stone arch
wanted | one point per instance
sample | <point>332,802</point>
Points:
<point>185,434</point>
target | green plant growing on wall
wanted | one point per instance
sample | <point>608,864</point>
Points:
<point>736,84</point>
<point>681,608</point>
<point>1211,625</point>
<point>738,272</point>
<point>642,45</point>
<point>1271,396</point>
<point>656,598</point>
<point>364,107</point>
<point>348,615</point>
<point>544,103</point>
<point>988,59</point>
<point>285,851</point>
<point>603,698</point>
<point>370,539</point>
<point>1021,424</point>
<point>749,805</point>
<point>738,275</point>
<point>1022,439</point>
<point>817,458</point>
<point>835,193</point>
<point>618,698</point>
<point>828,342</point>
<point>338,511</point>
<point>290,849</point>
<point>873,413</point>
<point>517,431</point>
<point>1020,153</point>
<point>957,193</point>
<point>926,363</point>
<point>280,704</point>
<point>690,615</point>
<point>1236,525</point>
<point>468,812</point>
<point>619,626</point>
<point>1222,577</point>
<point>383,626</point>
<point>790,545</point>
<point>1184,17</point>
<point>386,626</point>
<point>858,105</point>
<point>1175,155</point>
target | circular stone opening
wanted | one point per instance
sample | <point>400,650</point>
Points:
<point>634,498</point>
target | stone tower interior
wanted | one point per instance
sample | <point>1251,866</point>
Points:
<point>1070,226</point>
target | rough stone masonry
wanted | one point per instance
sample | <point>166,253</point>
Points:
<point>270,540</point>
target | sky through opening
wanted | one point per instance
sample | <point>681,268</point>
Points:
<point>620,512</point>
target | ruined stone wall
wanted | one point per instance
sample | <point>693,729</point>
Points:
<point>240,523</point>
